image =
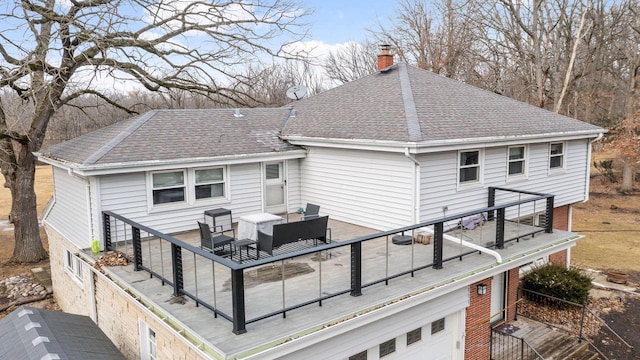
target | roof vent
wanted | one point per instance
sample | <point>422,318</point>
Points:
<point>294,112</point>
<point>238,114</point>
<point>40,340</point>
<point>25,312</point>
<point>31,325</point>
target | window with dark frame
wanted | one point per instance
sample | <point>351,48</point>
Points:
<point>437,326</point>
<point>414,336</point>
<point>556,155</point>
<point>469,166</point>
<point>388,347</point>
<point>516,160</point>
<point>359,356</point>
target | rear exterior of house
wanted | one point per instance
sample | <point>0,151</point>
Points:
<point>381,169</point>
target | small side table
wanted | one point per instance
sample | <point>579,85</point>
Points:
<point>245,243</point>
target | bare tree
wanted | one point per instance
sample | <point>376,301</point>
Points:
<point>56,52</point>
<point>438,38</point>
<point>351,62</point>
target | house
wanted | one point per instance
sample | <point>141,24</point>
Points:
<point>402,151</point>
<point>33,333</point>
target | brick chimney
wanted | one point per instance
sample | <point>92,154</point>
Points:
<point>385,59</point>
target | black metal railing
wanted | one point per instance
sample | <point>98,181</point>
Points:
<point>186,267</point>
<point>509,347</point>
<point>577,320</point>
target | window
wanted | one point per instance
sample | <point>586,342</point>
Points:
<point>516,160</point>
<point>359,356</point>
<point>73,265</point>
<point>556,156</point>
<point>148,342</point>
<point>414,336</point>
<point>469,166</point>
<point>437,326</point>
<point>209,183</point>
<point>168,187</point>
<point>388,347</point>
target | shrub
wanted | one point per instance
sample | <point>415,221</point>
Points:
<point>606,169</point>
<point>560,282</point>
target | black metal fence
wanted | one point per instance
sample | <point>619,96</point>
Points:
<point>575,319</point>
<point>508,347</point>
<point>219,283</point>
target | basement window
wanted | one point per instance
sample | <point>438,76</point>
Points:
<point>73,265</point>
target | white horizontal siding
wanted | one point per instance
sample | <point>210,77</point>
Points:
<point>126,195</point>
<point>368,188</point>
<point>439,186</point>
<point>294,200</point>
<point>70,213</point>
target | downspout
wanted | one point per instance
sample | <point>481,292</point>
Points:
<point>459,241</point>
<point>588,169</point>
<point>416,181</point>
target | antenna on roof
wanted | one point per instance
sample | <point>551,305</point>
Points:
<point>296,92</point>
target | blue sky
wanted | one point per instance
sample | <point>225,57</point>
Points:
<point>339,21</point>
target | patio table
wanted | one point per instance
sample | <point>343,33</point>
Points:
<point>249,225</point>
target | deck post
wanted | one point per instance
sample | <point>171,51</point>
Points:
<point>237,300</point>
<point>137,249</point>
<point>500,229</point>
<point>106,224</point>
<point>356,269</point>
<point>491,202</point>
<point>437,244</point>
<point>176,260</point>
<point>549,216</point>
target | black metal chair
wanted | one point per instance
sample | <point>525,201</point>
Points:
<point>312,211</point>
<point>212,240</point>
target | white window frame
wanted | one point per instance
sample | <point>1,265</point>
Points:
<point>184,186</point>
<point>524,161</point>
<point>562,156</point>
<point>72,265</point>
<point>148,341</point>
<point>189,185</point>
<point>192,176</point>
<point>460,167</point>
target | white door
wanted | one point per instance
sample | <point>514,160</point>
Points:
<point>275,186</point>
<point>497,297</point>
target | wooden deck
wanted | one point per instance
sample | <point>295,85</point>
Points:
<point>547,341</point>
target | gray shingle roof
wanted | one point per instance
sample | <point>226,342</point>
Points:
<point>32,333</point>
<point>384,105</point>
<point>402,103</point>
<point>178,134</point>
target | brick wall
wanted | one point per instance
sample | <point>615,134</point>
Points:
<point>560,222</point>
<point>117,313</point>
<point>477,323</point>
<point>513,281</point>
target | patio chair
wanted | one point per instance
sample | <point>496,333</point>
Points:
<point>312,211</point>
<point>212,240</point>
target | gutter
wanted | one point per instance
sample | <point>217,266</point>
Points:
<point>438,145</point>
<point>134,166</point>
